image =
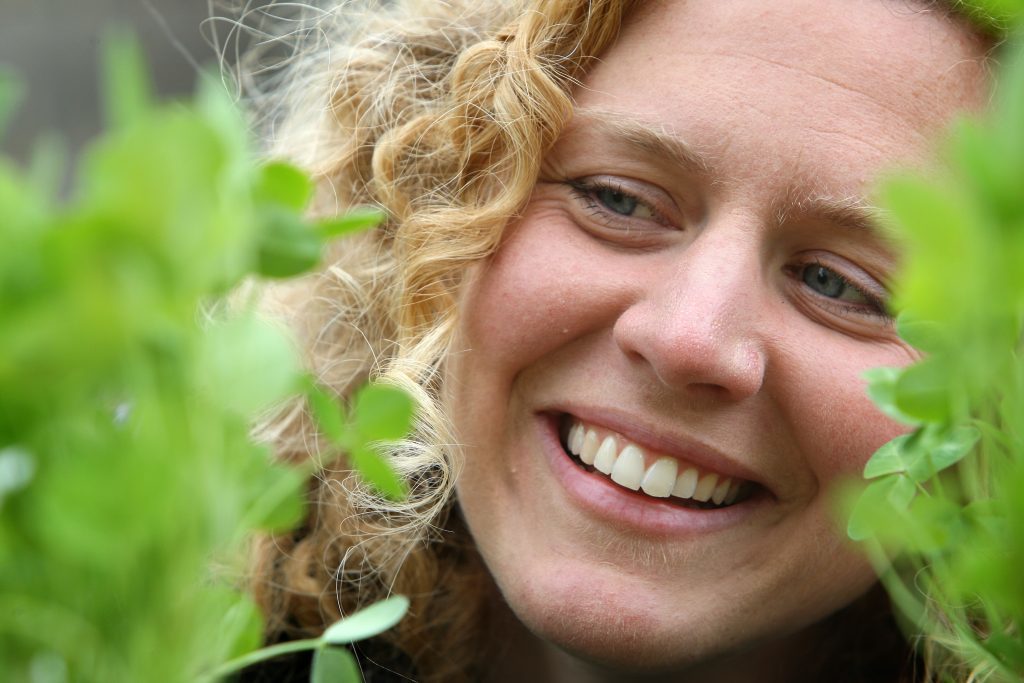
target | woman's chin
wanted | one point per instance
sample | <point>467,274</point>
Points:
<point>616,628</point>
<point>593,617</point>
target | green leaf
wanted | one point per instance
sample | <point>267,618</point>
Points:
<point>901,492</point>
<point>921,391</point>
<point>989,515</point>
<point>283,184</point>
<point>882,391</point>
<point>281,504</point>
<point>888,459</point>
<point>367,622</point>
<point>935,457</point>
<point>940,249</point>
<point>879,506</point>
<point>352,221</point>
<point>127,91</point>
<point>329,414</point>
<point>288,246</point>
<point>925,335</point>
<point>243,623</point>
<point>378,473</point>
<point>383,413</point>
<point>233,352</point>
<point>936,523</point>
<point>923,454</point>
<point>334,665</point>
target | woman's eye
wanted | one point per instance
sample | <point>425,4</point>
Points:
<point>840,292</point>
<point>831,284</point>
<point>614,203</point>
<point>622,203</point>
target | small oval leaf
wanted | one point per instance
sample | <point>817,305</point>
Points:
<point>334,665</point>
<point>888,459</point>
<point>946,453</point>
<point>383,413</point>
<point>281,505</point>
<point>327,411</point>
<point>367,622</point>
<point>288,246</point>
<point>355,220</point>
<point>921,391</point>
<point>378,473</point>
<point>281,183</point>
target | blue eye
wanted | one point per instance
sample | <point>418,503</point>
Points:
<point>831,284</point>
<point>612,200</point>
<point>618,202</point>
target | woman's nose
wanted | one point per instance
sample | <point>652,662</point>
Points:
<point>694,325</point>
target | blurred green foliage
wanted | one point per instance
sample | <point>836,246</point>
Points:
<point>128,386</point>
<point>943,514</point>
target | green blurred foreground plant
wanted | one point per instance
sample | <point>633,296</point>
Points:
<point>128,387</point>
<point>943,516</point>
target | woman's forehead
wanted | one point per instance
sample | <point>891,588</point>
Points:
<point>897,45</point>
<point>825,92</point>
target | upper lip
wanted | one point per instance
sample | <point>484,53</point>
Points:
<point>664,441</point>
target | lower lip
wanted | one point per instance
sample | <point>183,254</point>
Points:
<point>599,497</point>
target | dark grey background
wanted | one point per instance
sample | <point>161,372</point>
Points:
<point>53,45</point>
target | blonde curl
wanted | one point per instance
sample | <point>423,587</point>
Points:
<point>439,113</point>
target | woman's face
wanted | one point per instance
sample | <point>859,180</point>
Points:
<point>698,278</point>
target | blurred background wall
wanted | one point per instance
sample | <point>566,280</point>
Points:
<point>53,45</point>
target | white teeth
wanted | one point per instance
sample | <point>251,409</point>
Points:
<point>734,491</point>
<point>589,449</point>
<point>718,495</point>
<point>629,468</point>
<point>705,487</point>
<point>604,460</point>
<point>576,438</point>
<point>686,484</point>
<point>660,478</point>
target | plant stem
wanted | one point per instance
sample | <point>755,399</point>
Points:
<point>239,663</point>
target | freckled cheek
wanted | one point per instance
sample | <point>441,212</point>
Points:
<point>845,427</point>
<point>512,302</point>
<point>541,288</point>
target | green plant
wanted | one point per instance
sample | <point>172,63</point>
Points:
<point>128,480</point>
<point>943,516</point>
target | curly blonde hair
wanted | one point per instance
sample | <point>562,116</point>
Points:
<point>438,112</point>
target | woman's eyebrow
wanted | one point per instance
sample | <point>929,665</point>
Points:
<point>641,137</point>
<point>852,211</point>
<point>617,129</point>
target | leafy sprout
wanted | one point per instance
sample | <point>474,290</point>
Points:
<point>128,479</point>
<point>942,515</point>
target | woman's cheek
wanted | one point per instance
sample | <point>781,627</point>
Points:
<point>548,282</point>
<point>831,401</point>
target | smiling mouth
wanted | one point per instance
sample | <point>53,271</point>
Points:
<point>668,479</point>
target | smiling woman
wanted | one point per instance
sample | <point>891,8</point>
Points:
<point>632,276</point>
